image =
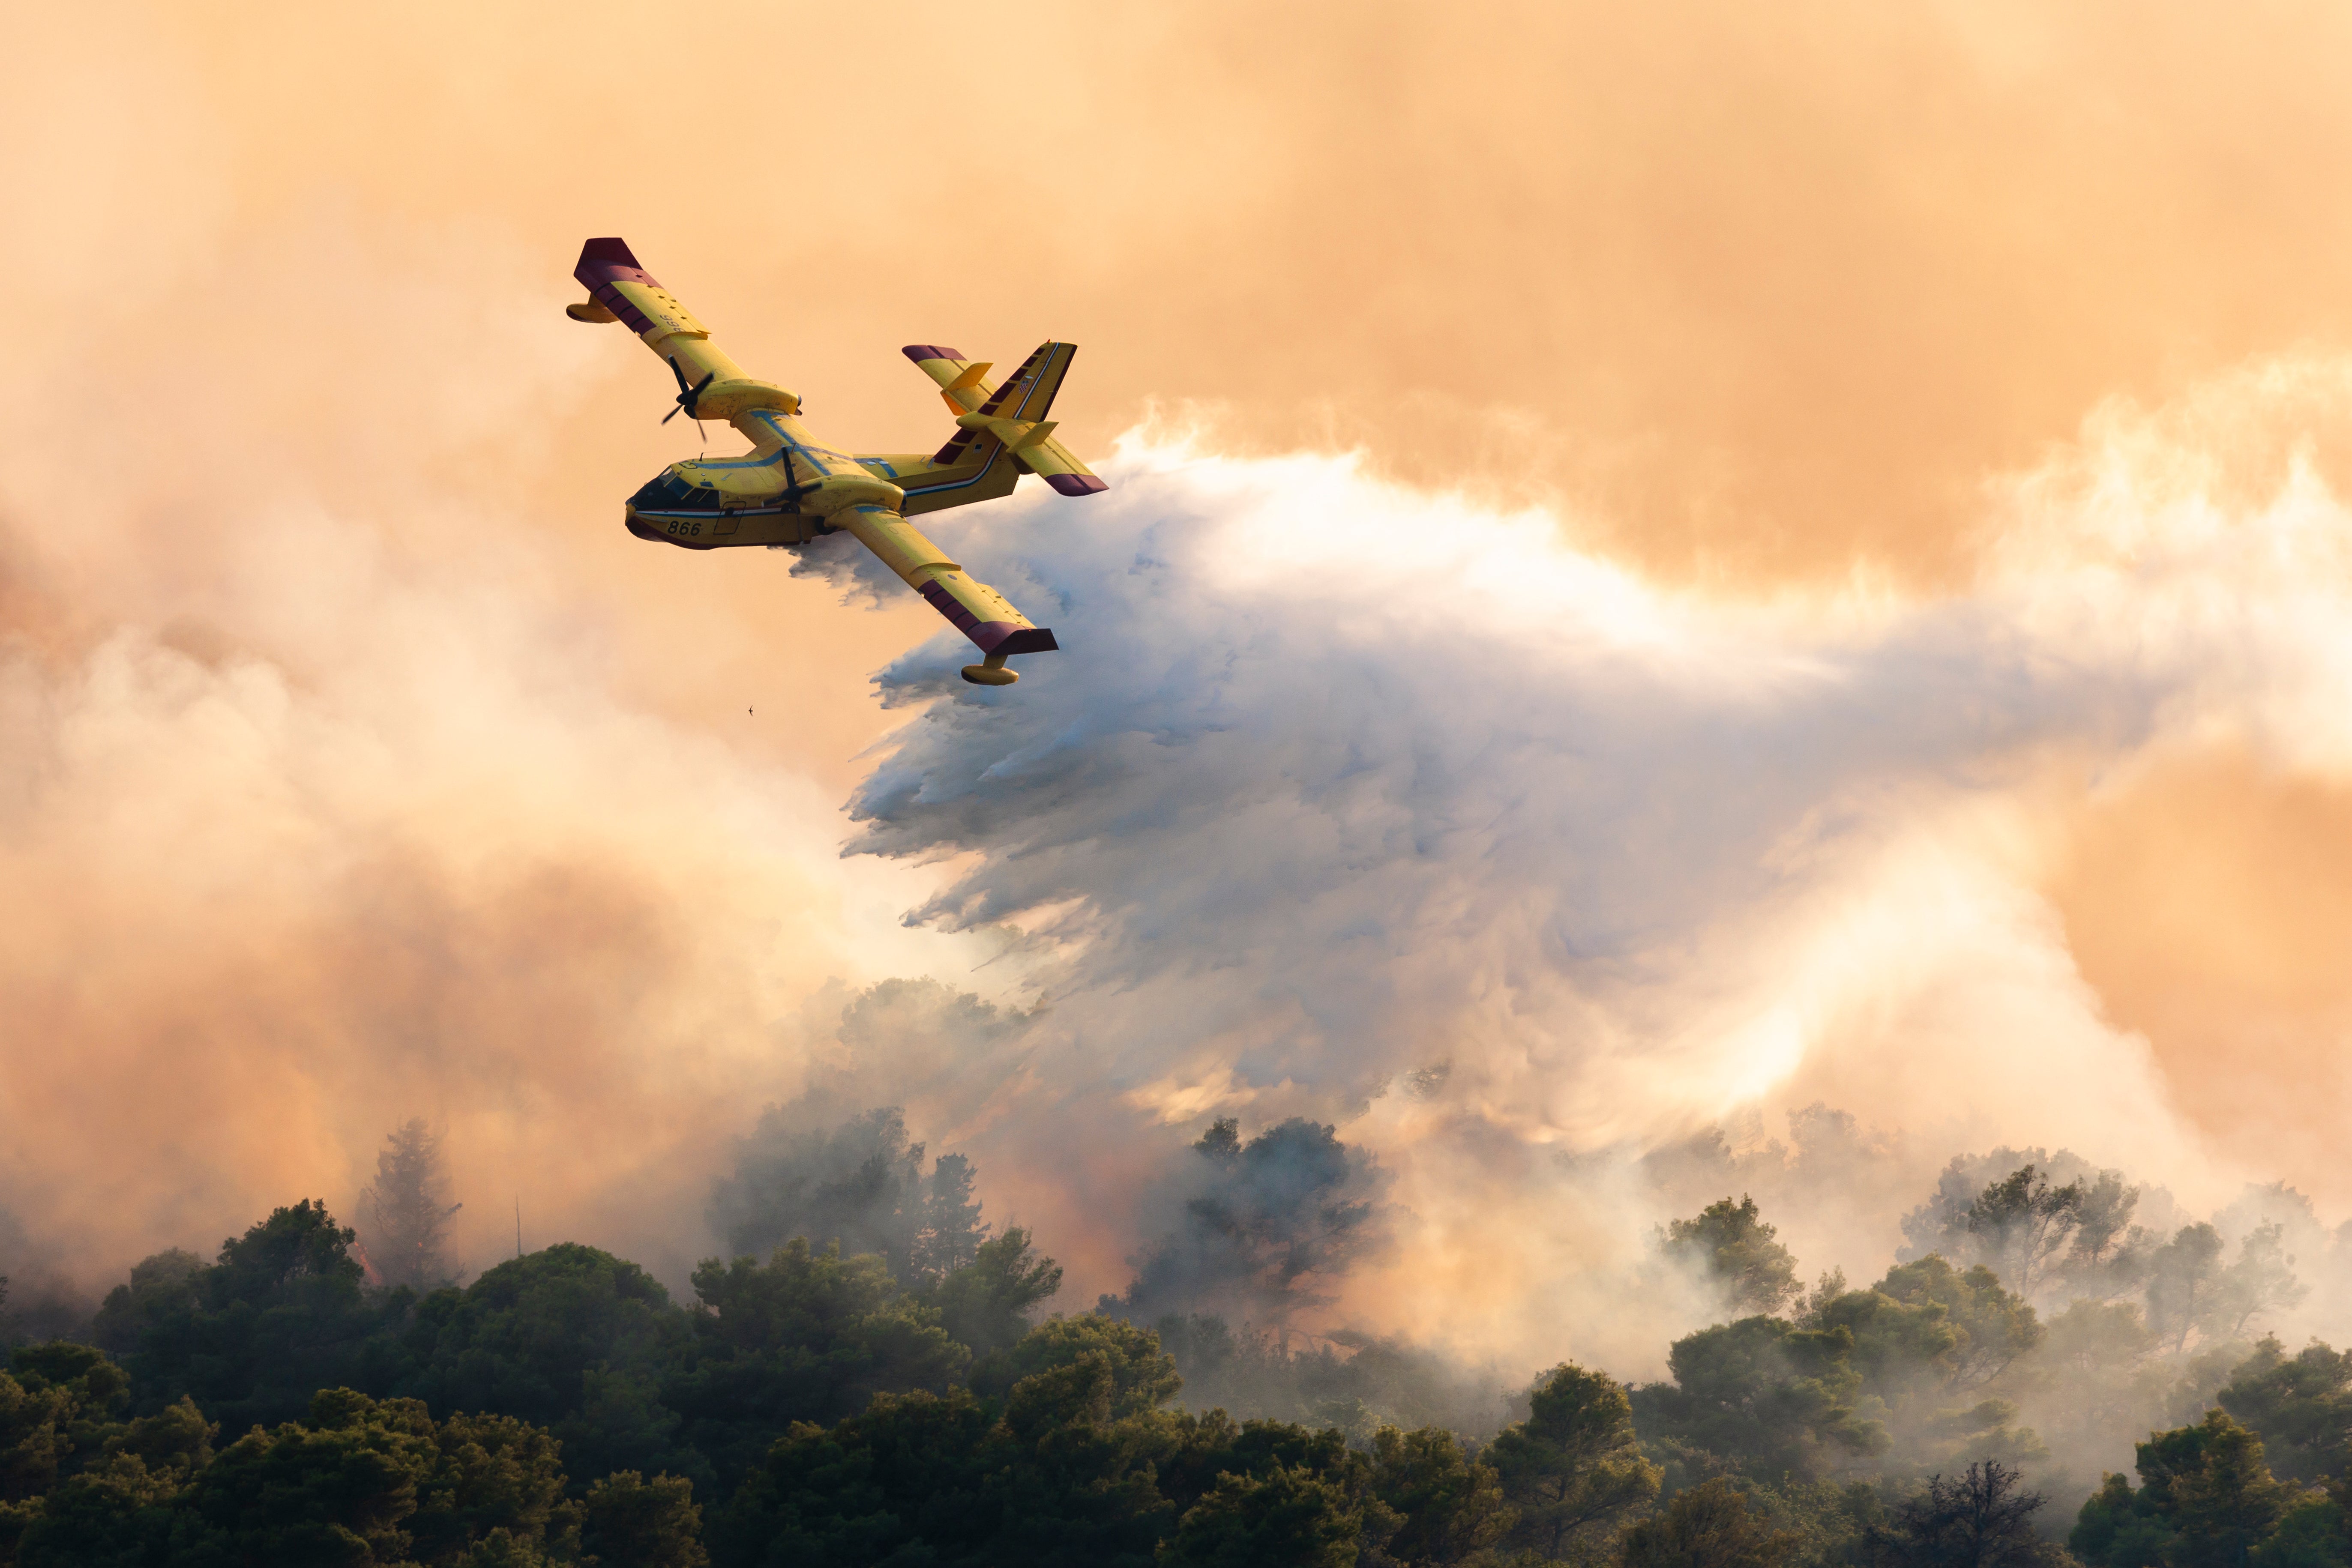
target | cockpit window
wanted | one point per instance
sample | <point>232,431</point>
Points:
<point>674,493</point>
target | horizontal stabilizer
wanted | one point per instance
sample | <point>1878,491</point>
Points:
<point>1014,413</point>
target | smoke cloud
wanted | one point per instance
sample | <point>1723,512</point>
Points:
<point>1390,811</point>
<point>1667,570</point>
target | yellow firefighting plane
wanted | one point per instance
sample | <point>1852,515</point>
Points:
<point>790,486</point>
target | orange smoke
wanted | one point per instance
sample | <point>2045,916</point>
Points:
<point>358,765</point>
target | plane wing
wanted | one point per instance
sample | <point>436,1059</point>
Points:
<point>971,606</point>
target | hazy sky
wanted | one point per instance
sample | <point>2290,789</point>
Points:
<point>1920,417</point>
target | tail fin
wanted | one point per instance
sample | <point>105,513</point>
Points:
<point>1014,412</point>
<point>1029,392</point>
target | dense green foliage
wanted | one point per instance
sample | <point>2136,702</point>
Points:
<point>1271,1223</point>
<point>827,1406</point>
<point>2302,1404</point>
<point>1709,1524</point>
<point>2206,1496</point>
<point>1893,1375</point>
<point>1573,1469</point>
<point>355,1481</point>
<point>1078,1462</point>
<point>898,1400</point>
<point>281,1313</point>
<point>1730,1246</point>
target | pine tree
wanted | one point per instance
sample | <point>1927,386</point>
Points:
<point>951,1229</point>
<point>1730,1245</point>
<point>408,1210</point>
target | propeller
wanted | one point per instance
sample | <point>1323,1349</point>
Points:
<point>686,395</point>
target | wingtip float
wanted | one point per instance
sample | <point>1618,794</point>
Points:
<point>791,488</point>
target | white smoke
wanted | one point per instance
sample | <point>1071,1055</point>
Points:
<point>353,765</point>
<point>1364,804</point>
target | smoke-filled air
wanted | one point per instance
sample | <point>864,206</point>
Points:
<point>1679,895</point>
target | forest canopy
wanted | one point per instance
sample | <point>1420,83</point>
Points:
<point>874,1374</point>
